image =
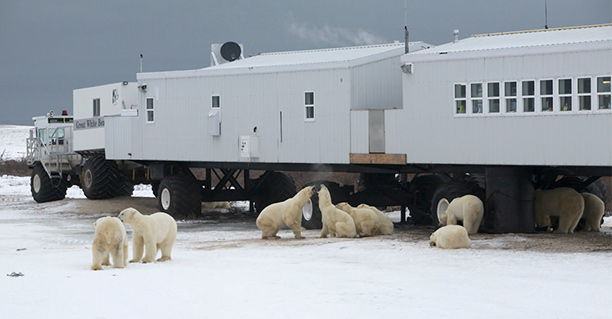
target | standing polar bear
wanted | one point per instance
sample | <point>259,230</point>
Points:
<point>594,209</point>
<point>109,239</point>
<point>450,237</point>
<point>366,220</point>
<point>468,209</point>
<point>335,221</point>
<point>288,212</point>
<point>385,225</point>
<point>151,233</point>
<point>564,202</point>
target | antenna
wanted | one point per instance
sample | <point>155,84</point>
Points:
<point>545,14</point>
<point>406,34</point>
<point>141,62</point>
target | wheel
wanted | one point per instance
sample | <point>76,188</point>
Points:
<point>155,188</point>
<point>43,188</point>
<point>101,179</point>
<point>452,190</point>
<point>180,196</point>
<point>423,188</point>
<point>274,187</point>
<point>312,220</point>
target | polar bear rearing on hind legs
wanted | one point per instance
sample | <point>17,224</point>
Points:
<point>288,212</point>
<point>335,221</point>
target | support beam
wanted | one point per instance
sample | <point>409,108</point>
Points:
<point>509,200</point>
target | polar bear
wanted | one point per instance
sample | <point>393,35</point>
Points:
<point>366,220</point>
<point>335,221</point>
<point>450,237</point>
<point>468,209</point>
<point>216,205</point>
<point>151,233</point>
<point>564,202</point>
<point>109,239</point>
<point>385,225</point>
<point>287,213</point>
<point>594,209</point>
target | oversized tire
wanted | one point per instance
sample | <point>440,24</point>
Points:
<point>274,187</point>
<point>180,196</point>
<point>423,188</point>
<point>101,179</point>
<point>43,188</point>
<point>155,188</point>
<point>452,190</point>
<point>314,220</point>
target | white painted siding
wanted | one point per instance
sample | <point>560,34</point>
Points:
<point>377,85</point>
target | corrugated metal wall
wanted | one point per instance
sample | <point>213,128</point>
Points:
<point>377,85</point>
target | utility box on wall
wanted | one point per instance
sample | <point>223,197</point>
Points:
<point>249,147</point>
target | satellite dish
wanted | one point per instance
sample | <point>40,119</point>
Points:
<point>230,51</point>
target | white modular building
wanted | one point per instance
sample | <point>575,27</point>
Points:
<point>538,97</point>
<point>312,106</point>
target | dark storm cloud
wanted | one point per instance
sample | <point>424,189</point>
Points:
<point>48,48</point>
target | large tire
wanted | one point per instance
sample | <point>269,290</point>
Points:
<point>101,179</point>
<point>275,187</point>
<point>423,188</point>
<point>180,196</point>
<point>43,188</point>
<point>314,221</point>
<point>155,188</point>
<point>453,190</point>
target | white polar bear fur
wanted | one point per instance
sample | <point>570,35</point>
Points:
<point>151,233</point>
<point>450,237</point>
<point>385,225</point>
<point>366,220</point>
<point>216,205</point>
<point>594,209</point>
<point>468,209</point>
<point>287,213</point>
<point>564,202</point>
<point>336,222</point>
<point>110,239</point>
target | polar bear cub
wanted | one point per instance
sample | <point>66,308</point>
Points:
<point>109,239</point>
<point>366,220</point>
<point>468,209</point>
<point>385,225</point>
<point>335,221</point>
<point>564,202</point>
<point>450,237</point>
<point>151,233</point>
<point>287,213</point>
<point>594,209</point>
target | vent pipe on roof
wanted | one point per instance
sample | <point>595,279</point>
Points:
<point>406,37</point>
<point>455,35</point>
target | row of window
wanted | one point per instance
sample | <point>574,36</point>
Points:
<point>216,103</point>
<point>531,96</point>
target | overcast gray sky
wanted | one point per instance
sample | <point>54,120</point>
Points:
<point>50,47</point>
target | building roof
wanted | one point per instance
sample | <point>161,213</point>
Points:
<point>481,43</point>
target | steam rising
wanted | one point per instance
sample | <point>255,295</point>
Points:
<point>333,35</point>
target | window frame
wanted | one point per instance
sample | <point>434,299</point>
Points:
<point>573,88</point>
<point>468,95</point>
<point>532,96</point>
<point>456,99</point>
<point>540,96</point>
<point>94,107</point>
<point>212,101</point>
<point>589,94</point>
<point>151,110</point>
<point>597,94</point>
<point>515,97</point>
<point>498,98</point>
<point>306,106</point>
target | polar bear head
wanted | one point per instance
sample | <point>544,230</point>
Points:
<point>344,206</point>
<point>442,207</point>
<point>127,215</point>
<point>324,195</point>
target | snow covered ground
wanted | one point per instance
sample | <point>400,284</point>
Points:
<point>13,141</point>
<point>221,269</point>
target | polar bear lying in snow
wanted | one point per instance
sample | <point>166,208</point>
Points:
<point>468,209</point>
<point>151,233</point>
<point>288,213</point>
<point>564,202</point>
<point>594,209</point>
<point>385,225</point>
<point>109,239</point>
<point>450,237</point>
<point>366,220</point>
<point>335,221</point>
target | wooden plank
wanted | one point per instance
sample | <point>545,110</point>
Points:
<point>389,159</point>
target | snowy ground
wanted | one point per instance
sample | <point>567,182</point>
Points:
<point>222,270</point>
<point>13,141</point>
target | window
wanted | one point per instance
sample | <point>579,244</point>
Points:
<point>460,98</point>
<point>565,95</point>
<point>309,104</point>
<point>584,94</point>
<point>216,102</point>
<point>493,95</point>
<point>150,110</point>
<point>510,94</point>
<point>546,92</point>
<point>476,97</point>
<point>528,93</point>
<point>96,107</point>
<point>603,92</point>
